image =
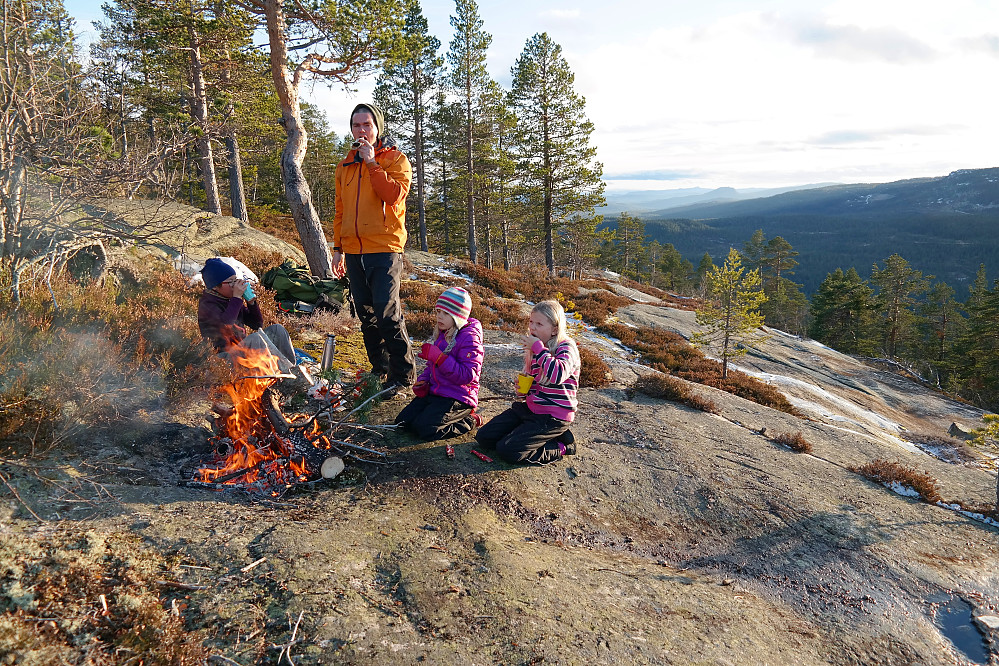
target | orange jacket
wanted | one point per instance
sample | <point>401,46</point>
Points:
<point>371,202</point>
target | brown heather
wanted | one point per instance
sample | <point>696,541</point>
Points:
<point>106,354</point>
<point>666,387</point>
<point>594,373</point>
<point>887,471</point>
<point>795,442</point>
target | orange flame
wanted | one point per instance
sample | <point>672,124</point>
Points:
<point>254,440</point>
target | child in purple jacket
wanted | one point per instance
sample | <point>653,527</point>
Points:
<point>447,391</point>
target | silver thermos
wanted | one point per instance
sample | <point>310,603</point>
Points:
<point>329,349</point>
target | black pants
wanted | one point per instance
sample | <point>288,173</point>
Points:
<point>434,417</point>
<point>374,286</point>
<point>520,435</point>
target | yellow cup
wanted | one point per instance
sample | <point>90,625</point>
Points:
<point>524,383</point>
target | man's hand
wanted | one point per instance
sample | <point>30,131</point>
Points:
<point>365,150</point>
<point>238,288</point>
<point>339,265</point>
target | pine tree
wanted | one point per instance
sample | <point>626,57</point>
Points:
<point>899,286</point>
<point>339,41</point>
<point>629,236</point>
<point>470,81</point>
<point>405,90</point>
<point>705,266</point>
<point>557,163</point>
<point>731,316</point>
<point>842,313</point>
<point>753,249</point>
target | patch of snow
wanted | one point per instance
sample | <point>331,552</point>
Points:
<point>783,333</point>
<point>845,406</point>
<point>898,488</point>
<point>969,514</point>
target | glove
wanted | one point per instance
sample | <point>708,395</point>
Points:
<point>431,353</point>
<point>248,293</point>
<point>421,389</point>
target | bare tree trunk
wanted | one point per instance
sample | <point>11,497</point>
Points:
<point>421,199</point>
<point>237,194</point>
<point>296,188</point>
<point>200,108</point>
<point>470,200</point>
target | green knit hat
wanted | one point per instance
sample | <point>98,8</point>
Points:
<point>375,112</point>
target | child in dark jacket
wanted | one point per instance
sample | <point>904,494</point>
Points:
<point>447,391</point>
<point>228,311</point>
<point>537,429</point>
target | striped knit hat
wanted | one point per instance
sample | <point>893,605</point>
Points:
<point>456,302</point>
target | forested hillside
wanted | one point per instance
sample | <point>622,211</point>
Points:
<point>945,227</point>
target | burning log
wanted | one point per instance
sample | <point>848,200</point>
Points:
<point>259,449</point>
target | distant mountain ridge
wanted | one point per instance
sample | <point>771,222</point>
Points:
<point>638,202</point>
<point>945,226</point>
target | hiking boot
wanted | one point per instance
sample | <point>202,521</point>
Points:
<point>397,390</point>
<point>567,444</point>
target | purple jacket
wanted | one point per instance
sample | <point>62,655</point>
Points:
<point>224,321</point>
<point>457,375</point>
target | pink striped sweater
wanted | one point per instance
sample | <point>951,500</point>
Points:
<point>556,380</point>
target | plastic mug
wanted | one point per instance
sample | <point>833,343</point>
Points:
<point>524,383</point>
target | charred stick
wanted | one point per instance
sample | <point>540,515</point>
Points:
<point>269,401</point>
<point>359,448</point>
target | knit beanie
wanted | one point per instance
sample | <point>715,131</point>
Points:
<point>456,302</point>
<point>216,272</point>
<point>375,112</point>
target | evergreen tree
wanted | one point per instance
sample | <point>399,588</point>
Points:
<point>842,313</point>
<point>405,90</point>
<point>557,161</point>
<point>753,250</point>
<point>899,286</point>
<point>704,267</point>
<point>470,81</point>
<point>629,236</point>
<point>979,350</point>
<point>444,159</point>
<point>731,316</point>
<point>942,324</point>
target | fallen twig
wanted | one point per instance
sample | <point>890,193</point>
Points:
<point>23,503</point>
<point>181,586</point>
<point>253,564</point>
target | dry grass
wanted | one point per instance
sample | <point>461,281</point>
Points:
<point>498,282</point>
<point>257,260</point>
<point>667,387</point>
<point>106,353</point>
<point>421,325</point>
<point>419,296</point>
<point>887,471</point>
<point>594,372</point>
<point>796,442</point>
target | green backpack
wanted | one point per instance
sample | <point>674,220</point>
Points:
<point>297,290</point>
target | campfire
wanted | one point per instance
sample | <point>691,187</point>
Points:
<point>260,450</point>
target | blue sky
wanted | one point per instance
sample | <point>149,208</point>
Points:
<point>754,94</point>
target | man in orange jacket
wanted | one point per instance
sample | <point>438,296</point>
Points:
<point>369,236</point>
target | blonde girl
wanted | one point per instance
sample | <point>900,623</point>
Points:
<point>537,429</point>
